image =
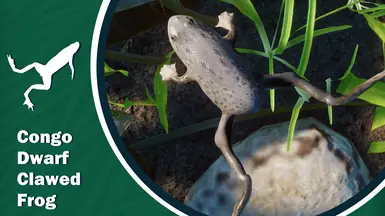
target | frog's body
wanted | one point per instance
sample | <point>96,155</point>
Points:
<point>215,65</point>
<point>225,78</point>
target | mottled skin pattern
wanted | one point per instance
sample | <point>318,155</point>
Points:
<point>212,61</point>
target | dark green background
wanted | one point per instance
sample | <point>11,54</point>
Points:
<point>35,31</point>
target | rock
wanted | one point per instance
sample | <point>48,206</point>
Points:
<point>321,170</point>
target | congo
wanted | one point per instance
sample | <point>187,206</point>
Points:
<point>55,139</point>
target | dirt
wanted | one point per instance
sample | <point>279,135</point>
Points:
<point>180,162</point>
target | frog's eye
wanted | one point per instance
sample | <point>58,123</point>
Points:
<point>191,21</point>
<point>173,37</point>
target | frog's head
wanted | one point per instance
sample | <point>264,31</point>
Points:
<point>184,30</point>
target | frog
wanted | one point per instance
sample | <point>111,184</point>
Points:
<point>227,79</point>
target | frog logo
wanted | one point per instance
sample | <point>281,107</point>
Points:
<point>46,71</point>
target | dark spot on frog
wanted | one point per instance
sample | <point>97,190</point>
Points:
<point>203,65</point>
<point>187,50</point>
<point>191,21</point>
<point>360,182</point>
<point>200,77</point>
<point>330,145</point>
<point>349,167</point>
<point>259,161</point>
<point>216,51</point>
<point>222,177</point>
<point>222,199</point>
<point>203,34</point>
<point>339,154</point>
<point>225,89</point>
<point>208,193</point>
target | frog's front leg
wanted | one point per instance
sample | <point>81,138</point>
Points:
<point>222,140</point>
<point>291,79</point>
<point>168,72</point>
<point>226,22</point>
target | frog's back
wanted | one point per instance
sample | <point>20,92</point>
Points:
<point>215,65</point>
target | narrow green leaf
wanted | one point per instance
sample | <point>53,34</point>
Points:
<point>272,91</point>
<point>328,14</point>
<point>256,52</point>
<point>108,70</point>
<point>370,10</point>
<point>286,25</point>
<point>124,72</point>
<point>293,121</point>
<point>330,109</point>
<point>308,38</point>
<point>379,118</point>
<point>377,26</point>
<point>377,147</point>
<point>247,9</point>
<point>305,96</point>
<point>279,22</point>
<point>348,71</point>
<point>379,13</point>
<point>127,103</point>
<point>161,93</point>
<point>149,97</point>
<point>318,32</point>
<point>374,95</point>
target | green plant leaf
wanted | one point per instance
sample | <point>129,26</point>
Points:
<point>379,118</point>
<point>247,9</point>
<point>349,70</point>
<point>308,38</point>
<point>293,121</point>
<point>108,70</point>
<point>272,91</point>
<point>328,14</point>
<point>377,26</point>
<point>318,32</point>
<point>330,109</point>
<point>305,96</point>
<point>374,95</point>
<point>286,26</point>
<point>256,52</point>
<point>377,147</point>
<point>161,93</point>
<point>149,97</point>
<point>279,22</point>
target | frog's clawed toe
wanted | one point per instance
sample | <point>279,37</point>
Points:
<point>168,72</point>
<point>28,103</point>
<point>225,21</point>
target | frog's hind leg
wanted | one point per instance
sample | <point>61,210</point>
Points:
<point>168,72</point>
<point>222,139</point>
<point>291,79</point>
<point>226,22</point>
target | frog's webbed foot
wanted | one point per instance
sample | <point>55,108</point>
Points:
<point>226,22</point>
<point>291,79</point>
<point>222,140</point>
<point>168,72</point>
